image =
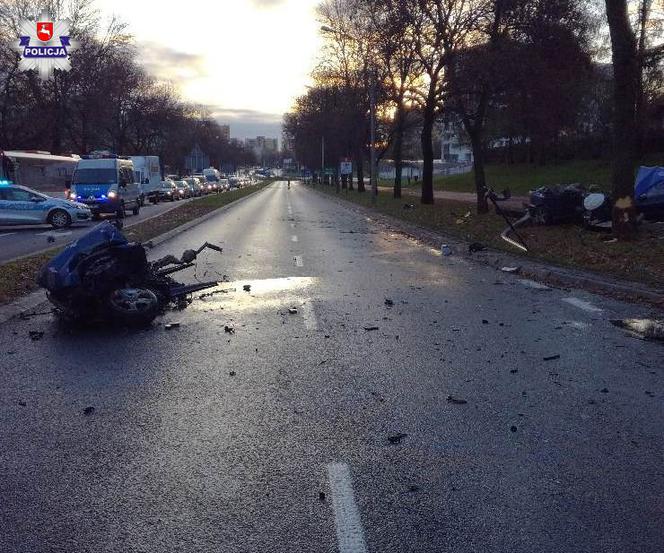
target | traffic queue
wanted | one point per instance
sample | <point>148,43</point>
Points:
<point>107,184</point>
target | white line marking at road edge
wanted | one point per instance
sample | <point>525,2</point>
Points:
<point>532,284</point>
<point>299,261</point>
<point>350,535</point>
<point>582,304</point>
<point>309,315</point>
<point>294,238</point>
<point>7,234</point>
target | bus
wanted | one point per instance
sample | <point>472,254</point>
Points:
<point>38,170</point>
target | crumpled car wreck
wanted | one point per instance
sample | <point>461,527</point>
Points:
<point>102,276</point>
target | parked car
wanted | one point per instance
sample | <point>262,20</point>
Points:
<point>224,184</point>
<point>168,191</point>
<point>106,184</point>
<point>20,205</point>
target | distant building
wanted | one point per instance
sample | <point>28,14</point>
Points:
<point>265,149</point>
<point>454,146</point>
<point>225,132</point>
<point>196,161</point>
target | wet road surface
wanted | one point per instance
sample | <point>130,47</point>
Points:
<point>430,425</point>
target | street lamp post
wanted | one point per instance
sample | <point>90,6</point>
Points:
<point>372,109</point>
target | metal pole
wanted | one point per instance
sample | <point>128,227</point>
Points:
<point>374,175</point>
<point>322,160</point>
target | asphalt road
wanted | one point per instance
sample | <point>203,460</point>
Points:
<point>306,432</point>
<point>17,241</point>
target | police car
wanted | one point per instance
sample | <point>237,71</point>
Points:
<point>22,206</point>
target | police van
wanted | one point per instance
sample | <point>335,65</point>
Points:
<point>106,183</point>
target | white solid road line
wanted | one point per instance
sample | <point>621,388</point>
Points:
<point>55,234</point>
<point>7,234</point>
<point>350,535</point>
<point>309,315</point>
<point>532,284</point>
<point>294,238</point>
<point>582,304</point>
<point>298,261</point>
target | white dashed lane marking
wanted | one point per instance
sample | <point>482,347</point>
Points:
<point>583,304</point>
<point>309,316</point>
<point>350,534</point>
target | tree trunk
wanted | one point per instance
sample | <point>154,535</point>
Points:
<point>398,151</point>
<point>427,154</point>
<point>478,169</point>
<point>360,172</point>
<point>625,70</point>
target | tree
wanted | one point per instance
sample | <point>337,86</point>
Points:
<point>626,78</point>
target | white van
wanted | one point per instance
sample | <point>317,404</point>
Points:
<point>148,175</point>
<point>106,184</point>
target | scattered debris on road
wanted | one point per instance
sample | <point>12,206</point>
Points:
<point>551,357</point>
<point>397,438</point>
<point>88,411</point>
<point>409,206</point>
<point>232,373</point>
<point>646,329</point>
<point>371,328</point>
<point>321,496</point>
<point>229,329</point>
<point>247,287</point>
<point>510,269</point>
<point>22,403</point>
<point>513,428</point>
<point>476,247</point>
<point>171,326</point>
<point>35,335</point>
<point>389,302</point>
<point>292,310</point>
<point>456,400</point>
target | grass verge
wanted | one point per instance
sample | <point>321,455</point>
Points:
<point>641,260</point>
<point>522,177</point>
<point>17,278</point>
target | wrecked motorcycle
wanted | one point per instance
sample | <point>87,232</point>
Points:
<point>104,276</point>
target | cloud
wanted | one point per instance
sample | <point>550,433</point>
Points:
<point>166,63</point>
<point>260,4</point>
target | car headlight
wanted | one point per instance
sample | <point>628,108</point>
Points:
<point>112,195</point>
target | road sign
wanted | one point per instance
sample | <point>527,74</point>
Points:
<point>346,168</point>
<point>329,171</point>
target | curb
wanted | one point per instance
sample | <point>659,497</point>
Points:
<point>558,277</point>
<point>31,301</point>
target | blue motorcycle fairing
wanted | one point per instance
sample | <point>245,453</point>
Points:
<point>60,272</point>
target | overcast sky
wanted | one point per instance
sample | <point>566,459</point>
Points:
<point>246,59</point>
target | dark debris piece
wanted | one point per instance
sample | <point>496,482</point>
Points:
<point>389,302</point>
<point>247,287</point>
<point>35,335</point>
<point>171,326</point>
<point>513,428</point>
<point>371,328</point>
<point>396,439</point>
<point>456,401</point>
<point>551,357</point>
<point>229,329</point>
<point>321,496</point>
<point>88,411</point>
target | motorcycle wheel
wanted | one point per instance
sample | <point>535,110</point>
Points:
<point>133,306</point>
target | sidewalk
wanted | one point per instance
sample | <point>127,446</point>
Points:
<point>513,204</point>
